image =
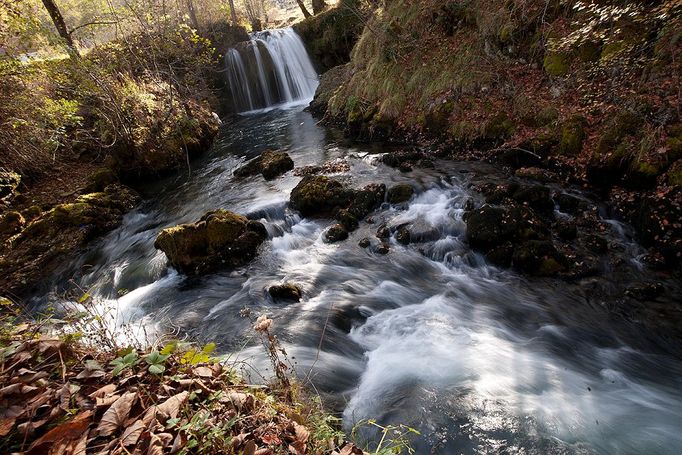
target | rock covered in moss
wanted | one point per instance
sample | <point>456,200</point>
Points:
<point>538,257</point>
<point>572,136</point>
<point>270,164</point>
<point>399,193</point>
<point>285,291</point>
<point>100,179</point>
<point>220,239</point>
<point>319,195</point>
<point>367,199</point>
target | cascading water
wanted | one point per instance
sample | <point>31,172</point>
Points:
<point>271,69</point>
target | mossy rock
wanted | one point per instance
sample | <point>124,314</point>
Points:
<point>402,192</point>
<point>557,63</point>
<point>220,239</point>
<point>32,212</point>
<point>642,174</point>
<point>9,183</point>
<point>270,164</point>
<point>547,116</point>
<point>101,178</point>
<point>500,126</point>
<point>367,199</point>
<point>462,131</point>
<point>436,120</point>
<point>538,257</point>
<point>319,195</point>
<point>347,220</point>
<point>285,292</point>
<point>621,125</point>
<point>572,136</point>
<point>674,142</point>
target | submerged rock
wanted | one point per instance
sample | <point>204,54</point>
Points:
<point>270,164</point>
<point>285,291</point>
<point>403,236</point>
<point>219,239</point>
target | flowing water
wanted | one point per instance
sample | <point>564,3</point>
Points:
<point>478,359</point>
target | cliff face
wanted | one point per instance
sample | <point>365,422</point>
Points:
<point>591,89</point>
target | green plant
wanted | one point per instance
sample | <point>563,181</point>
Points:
<point>394,438</point>
<point>156,362</point>
<point>122,363</point>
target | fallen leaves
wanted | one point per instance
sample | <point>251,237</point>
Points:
<point>117,415</point>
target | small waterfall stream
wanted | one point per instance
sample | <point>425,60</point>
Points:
<point>271,69</point>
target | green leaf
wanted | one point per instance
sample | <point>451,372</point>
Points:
<point>169,348</point>
<point>209,348</point>
<point>84,297</point>
<point>155,358</point>
<point>157,369</point>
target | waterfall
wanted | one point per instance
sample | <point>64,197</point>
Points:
<point>271,69</point>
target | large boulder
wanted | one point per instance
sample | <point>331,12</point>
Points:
<point>367,199</point>
<point>319,195</point>
<point>220,239</point>
<point>270,164</point>
<point>489,227</point>
<point>399,193</point>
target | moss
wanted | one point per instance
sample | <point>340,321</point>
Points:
<point>32,212</point>
<point>223,227</point>
<point>622,125</point>
<point>674,142</point>
<point>674,174</point>
<point>556,63</point>
<point>547,116</point>
<point>550,267</point>
<point>402,192</point>
<point>462,131</point>
<point>499,126</point>
<point>436,120</point>
<point>11,222</point>
<point>572,136</point>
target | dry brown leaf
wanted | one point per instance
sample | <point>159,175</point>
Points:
<point>167,410</point>
<point>6,426</point>
<point>297,448</point>
<point>240,401</point>
<point>302,433</point>
<point>264,451</point>
<point>179,442</point>
<point>71,447</point>
<point>69,431</point>
<point>250,447</point>
<point>103,391</point>
<point>155,445</point>
<point>203,372</point>
<point>132,434</point>
<point>117,414</point>
<point>106,401</point>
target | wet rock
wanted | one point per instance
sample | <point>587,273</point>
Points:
<point>469,205</point>
<point>596,244</point>
<point>403,236</point>
<point>330,81</point>
<point>519,158</point>
<point>347,220</point>
<point>337,166</point>
<point>367,199</point>
<point>383,232</point>
<point>570,204</point>
<point>535,173</point>
<point>336,233</point>
<point>490,226</point>
<point>496,194</point>
<point>364,243</point>
<point>219,239</point>
<point>538,257</point>
<point>566,230</point>
<point>645,291</point>
<point>382,248</point>
<point>402,192</point>
<point>11,223</point>
<point>501,255</point>
<point>270,164</point>
<point>286,292</point>
<point>319,195</point>
<point>401,159</point>
<point>537,197</point>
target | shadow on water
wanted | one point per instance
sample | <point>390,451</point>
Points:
<point>478,359</point>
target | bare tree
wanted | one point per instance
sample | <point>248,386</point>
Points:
<point>233,12</point>
<point>192,14</point>
<point>306,13</point>
<point>60,25</point>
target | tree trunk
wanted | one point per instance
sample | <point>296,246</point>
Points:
<point>318,6</point>
<point>60,25</point>
<point>233,12</point>
<point>303,8</point>
<point>192,15</point>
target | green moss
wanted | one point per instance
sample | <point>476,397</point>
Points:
<point>11,222</point>
<point>223,227</point>
<point>32,212</point>
<point>557,63</point>
<point>622,125</point>
<point>572,136</point>
<point>462,131</point>
<point>75,214</point>
<point>546,116</point>
<point>436,120</point>
<point>674,143</point>
<point>674,174</point>
<point>499,126</point>
<point>550,267</point>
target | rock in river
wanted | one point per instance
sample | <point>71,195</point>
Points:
<point>220,239</point>
<point>270,164</point>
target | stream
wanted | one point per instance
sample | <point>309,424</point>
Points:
<point>479,360</point>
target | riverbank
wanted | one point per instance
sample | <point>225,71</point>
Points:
<point>69,391</point>
<point>533,88</point>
